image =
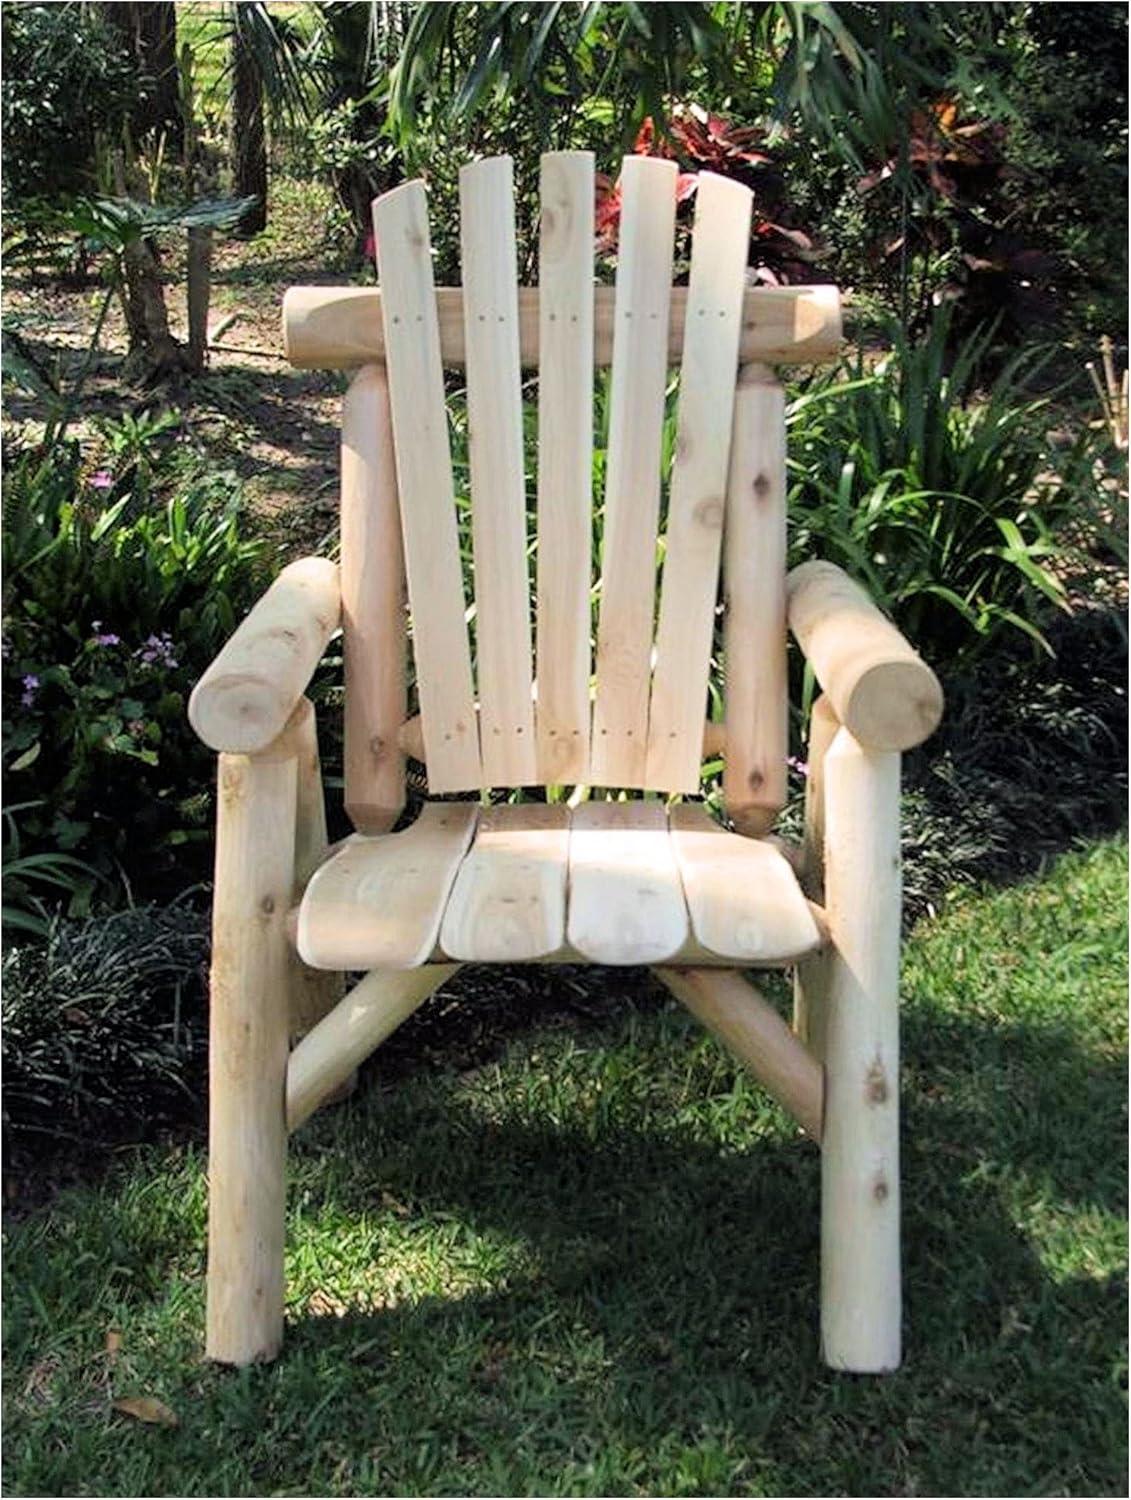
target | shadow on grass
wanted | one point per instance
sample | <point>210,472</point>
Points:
<point>593,1269</point>
<point>673,1285</point>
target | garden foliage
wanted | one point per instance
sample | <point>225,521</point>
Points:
<point>119,587</point>
<point>955,168</point>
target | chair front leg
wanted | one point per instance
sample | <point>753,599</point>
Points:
<point>248,1048</point>
<point>861,1305</point>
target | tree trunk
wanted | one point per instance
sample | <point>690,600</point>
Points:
<point>149,32</point>
<point>152,346</point>
<point>199,266</point>
<point>249,144</point>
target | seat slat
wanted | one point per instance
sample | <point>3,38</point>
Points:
<point>427,501</point>
<point>696,508</point>
<point>743,899</point>
<point>754,561</point>
<point>626,903</point>
<point>508,904</point>
<point>498,499</point>
<point>378,902</point>
<point>565,464</point>
<point>618,753</point>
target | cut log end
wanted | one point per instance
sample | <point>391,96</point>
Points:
<point>895,705</point>
<point>239,714</point>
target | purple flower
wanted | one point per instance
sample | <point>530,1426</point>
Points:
<point>101,479</point>
<point>31,688</point>
<point>157,651</point>
<point>800,766</point>
<point>103,638</point>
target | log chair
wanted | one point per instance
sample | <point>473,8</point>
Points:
<point>607,877</point>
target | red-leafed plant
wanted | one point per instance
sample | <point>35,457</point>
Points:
<point>702,142</point>
<point>951,170</point>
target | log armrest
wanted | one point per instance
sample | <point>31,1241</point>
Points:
<point>246,696</point>
<point>881,690</point>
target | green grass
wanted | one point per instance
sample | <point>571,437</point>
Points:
<point>591,1267</point>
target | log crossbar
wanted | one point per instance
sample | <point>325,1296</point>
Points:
<point>340,328</point>
<point>726,1003</point>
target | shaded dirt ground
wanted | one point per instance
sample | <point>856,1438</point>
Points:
<point>277,427</point>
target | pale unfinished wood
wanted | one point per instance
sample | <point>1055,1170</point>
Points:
<point>693,540</point>
<point>378,903</point>
<point>752,1029</point>
<point>881,689</point>
<point>860,1258</point>
<point>626,903</point>
<point>498,496</point>
<point>314,992</point>
<point>340,327</point>
<point>255,848</point>
<point>373,606</point>
<point>743,898</point>
<point>618,754</point>
<point>811,981</point>
<point>565,464</point>
<point>424,482</point>
<point>372,1010</point>
<point>410,737</point>
<point>754,569</point>
<point>508,903</point>
<point>246,696</point>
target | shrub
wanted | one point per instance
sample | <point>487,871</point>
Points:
<point>947,502</point>
<point>120,586</point>
<point>67,80</point>
<point>103,1025</point>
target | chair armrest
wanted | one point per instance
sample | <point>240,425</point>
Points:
<point>881,690</point>
<point>248,693</point>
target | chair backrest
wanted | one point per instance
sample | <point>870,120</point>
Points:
<point>541,706</point>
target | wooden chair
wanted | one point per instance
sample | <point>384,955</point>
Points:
<point>603,878</point>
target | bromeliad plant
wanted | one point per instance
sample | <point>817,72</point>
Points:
<point>946,501</point>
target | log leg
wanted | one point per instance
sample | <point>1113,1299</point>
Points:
<point>811,977</point>
<point>861,1308</point>
<point>314,992</point>
<point>255,845</point>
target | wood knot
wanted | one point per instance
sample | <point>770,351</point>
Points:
<point>267,905</point>
<point>709,512</point>
<point>755,780</point>
<point>761,486</point>
<point>876,1083</point>
<point>880,1189</point>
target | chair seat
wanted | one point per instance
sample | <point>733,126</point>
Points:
<point>608,883</point>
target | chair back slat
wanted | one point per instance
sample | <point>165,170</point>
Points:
<point>565,464</point>
<point>498,496</point>
<point>697,501</point>
<point>629,714</point>
<point>427,500</point>
<point>632,489</point>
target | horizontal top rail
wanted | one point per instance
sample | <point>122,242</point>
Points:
<point>339,328</point>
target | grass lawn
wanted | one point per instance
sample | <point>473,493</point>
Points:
<point>591,1267</point>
